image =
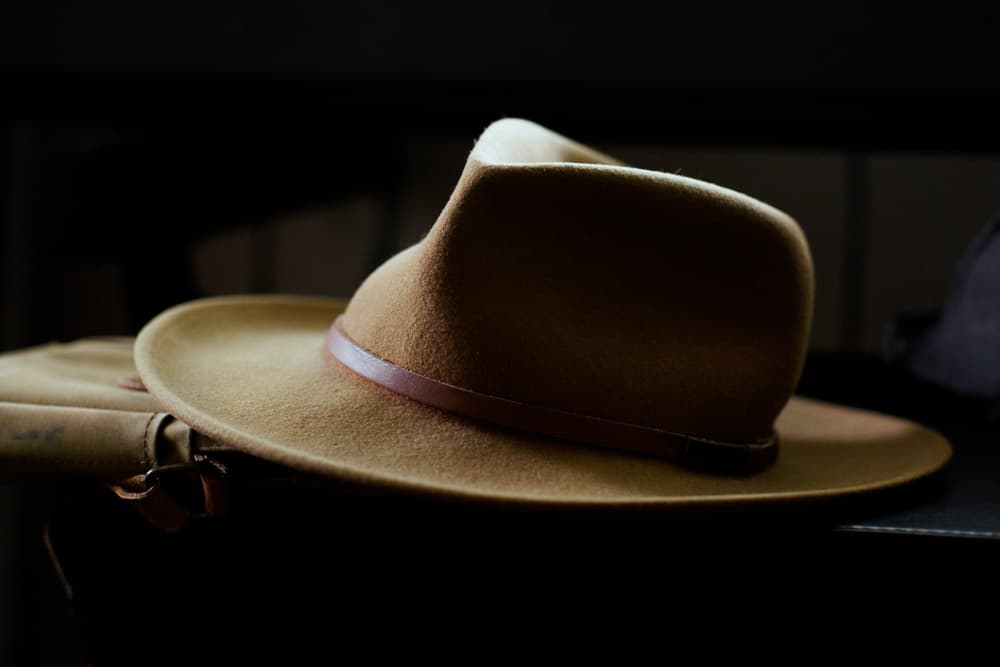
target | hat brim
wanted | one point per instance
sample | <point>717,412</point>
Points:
<point>251,372</point>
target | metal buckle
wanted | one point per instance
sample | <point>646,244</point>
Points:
<point>201,465</point>
<point>169,500</point>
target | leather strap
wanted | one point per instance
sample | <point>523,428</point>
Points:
<point>170,496</point>
<point>689,449</point>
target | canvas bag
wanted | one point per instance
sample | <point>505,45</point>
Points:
<point>79,411</point>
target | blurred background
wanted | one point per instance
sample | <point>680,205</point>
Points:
<point>155,152</point>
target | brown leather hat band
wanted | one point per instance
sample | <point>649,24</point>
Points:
<point>548,421</point>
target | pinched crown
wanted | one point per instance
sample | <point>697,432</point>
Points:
<point>558,277</point>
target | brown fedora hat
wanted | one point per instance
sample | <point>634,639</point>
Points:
<point>571,332</point>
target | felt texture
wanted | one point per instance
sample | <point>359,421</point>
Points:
<point>252,372</point>
<point>559,277</point>
<point>556,276</point>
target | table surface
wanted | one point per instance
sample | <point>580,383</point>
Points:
<point>960,501</point>
<point>964,502</point>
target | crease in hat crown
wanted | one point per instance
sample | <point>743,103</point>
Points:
<point>557,276</point>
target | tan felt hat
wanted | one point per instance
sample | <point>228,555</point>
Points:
<point>571,332</point>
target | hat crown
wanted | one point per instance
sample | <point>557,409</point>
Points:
<point>558,277</point>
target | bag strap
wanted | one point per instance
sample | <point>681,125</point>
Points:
<point>172,495</point>
<point>148,458</point>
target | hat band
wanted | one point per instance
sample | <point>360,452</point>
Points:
<point>688,449</point>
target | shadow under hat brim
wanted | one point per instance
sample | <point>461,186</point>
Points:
<point>252,372</point>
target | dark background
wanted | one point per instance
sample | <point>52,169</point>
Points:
<point>154,152</point>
